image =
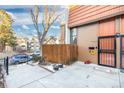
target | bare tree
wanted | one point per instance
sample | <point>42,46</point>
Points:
<point>50,15</point>
<point>49,39</point>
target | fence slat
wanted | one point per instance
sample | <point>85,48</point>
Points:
<point>60,53</point>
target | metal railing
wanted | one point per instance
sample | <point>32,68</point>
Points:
<point>122,53</point>
<point>6,65</point>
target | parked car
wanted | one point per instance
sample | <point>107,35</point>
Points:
<point>30,57</point>
<point>37,52</point>
<point>20,58</point>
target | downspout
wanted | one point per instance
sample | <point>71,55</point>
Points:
<point>67,30</point>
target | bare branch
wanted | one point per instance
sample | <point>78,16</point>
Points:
<point>43,25</point>
<point>35,22</point>
<point>54,20</point>
<point>50,39</point>
<point>36,11</point>
<point>49,17</point>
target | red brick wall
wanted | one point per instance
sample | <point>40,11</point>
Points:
<point>85,13</point>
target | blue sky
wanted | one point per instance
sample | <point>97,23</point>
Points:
<point>23,25</point>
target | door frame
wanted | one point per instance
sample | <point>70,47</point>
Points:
<point>121,51</point>
<point>107,51</point>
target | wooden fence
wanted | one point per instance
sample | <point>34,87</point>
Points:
<point>60,53</point>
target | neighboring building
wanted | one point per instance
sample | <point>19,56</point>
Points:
<point>88,22</point>
<point>34,44</point>
<point>1,48</point>
<point>6,48</point>
<point>22,43</point>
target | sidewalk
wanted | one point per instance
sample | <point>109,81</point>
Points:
<point>77,75</point>
<point>23,74</point>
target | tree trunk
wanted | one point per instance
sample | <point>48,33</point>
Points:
<point>42,41</point>
<point>40,50</point>
<point>43,37</point>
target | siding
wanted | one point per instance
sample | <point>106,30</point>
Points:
<point>88,13</point>
<point>86,40</point>
<point>107,27</point>
<point>122,24</point>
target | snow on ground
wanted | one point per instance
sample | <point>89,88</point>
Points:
<point>77,75</point>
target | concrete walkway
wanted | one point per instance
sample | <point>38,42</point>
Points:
<point>22,75</point>
<point>77,75</point>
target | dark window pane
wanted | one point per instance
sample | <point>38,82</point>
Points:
<point>73,36</point>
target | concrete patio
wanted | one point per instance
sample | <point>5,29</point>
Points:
<point>77,75</point>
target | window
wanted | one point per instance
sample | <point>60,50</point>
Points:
<point>73,36</point>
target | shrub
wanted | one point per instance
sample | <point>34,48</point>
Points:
<point>36,58</point>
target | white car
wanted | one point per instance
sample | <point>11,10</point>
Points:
<point>36,52</point>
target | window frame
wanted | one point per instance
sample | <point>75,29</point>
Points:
<point>73,35</point>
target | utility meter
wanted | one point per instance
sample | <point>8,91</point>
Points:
<point>92,50</point>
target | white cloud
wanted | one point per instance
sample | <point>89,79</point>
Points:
<point>25,27</point>
<point>24,19</point>
<point>55,27</point>
<point>12,15</point>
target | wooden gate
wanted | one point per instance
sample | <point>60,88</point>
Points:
<point>107,51</point>
<point>122,52</point>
